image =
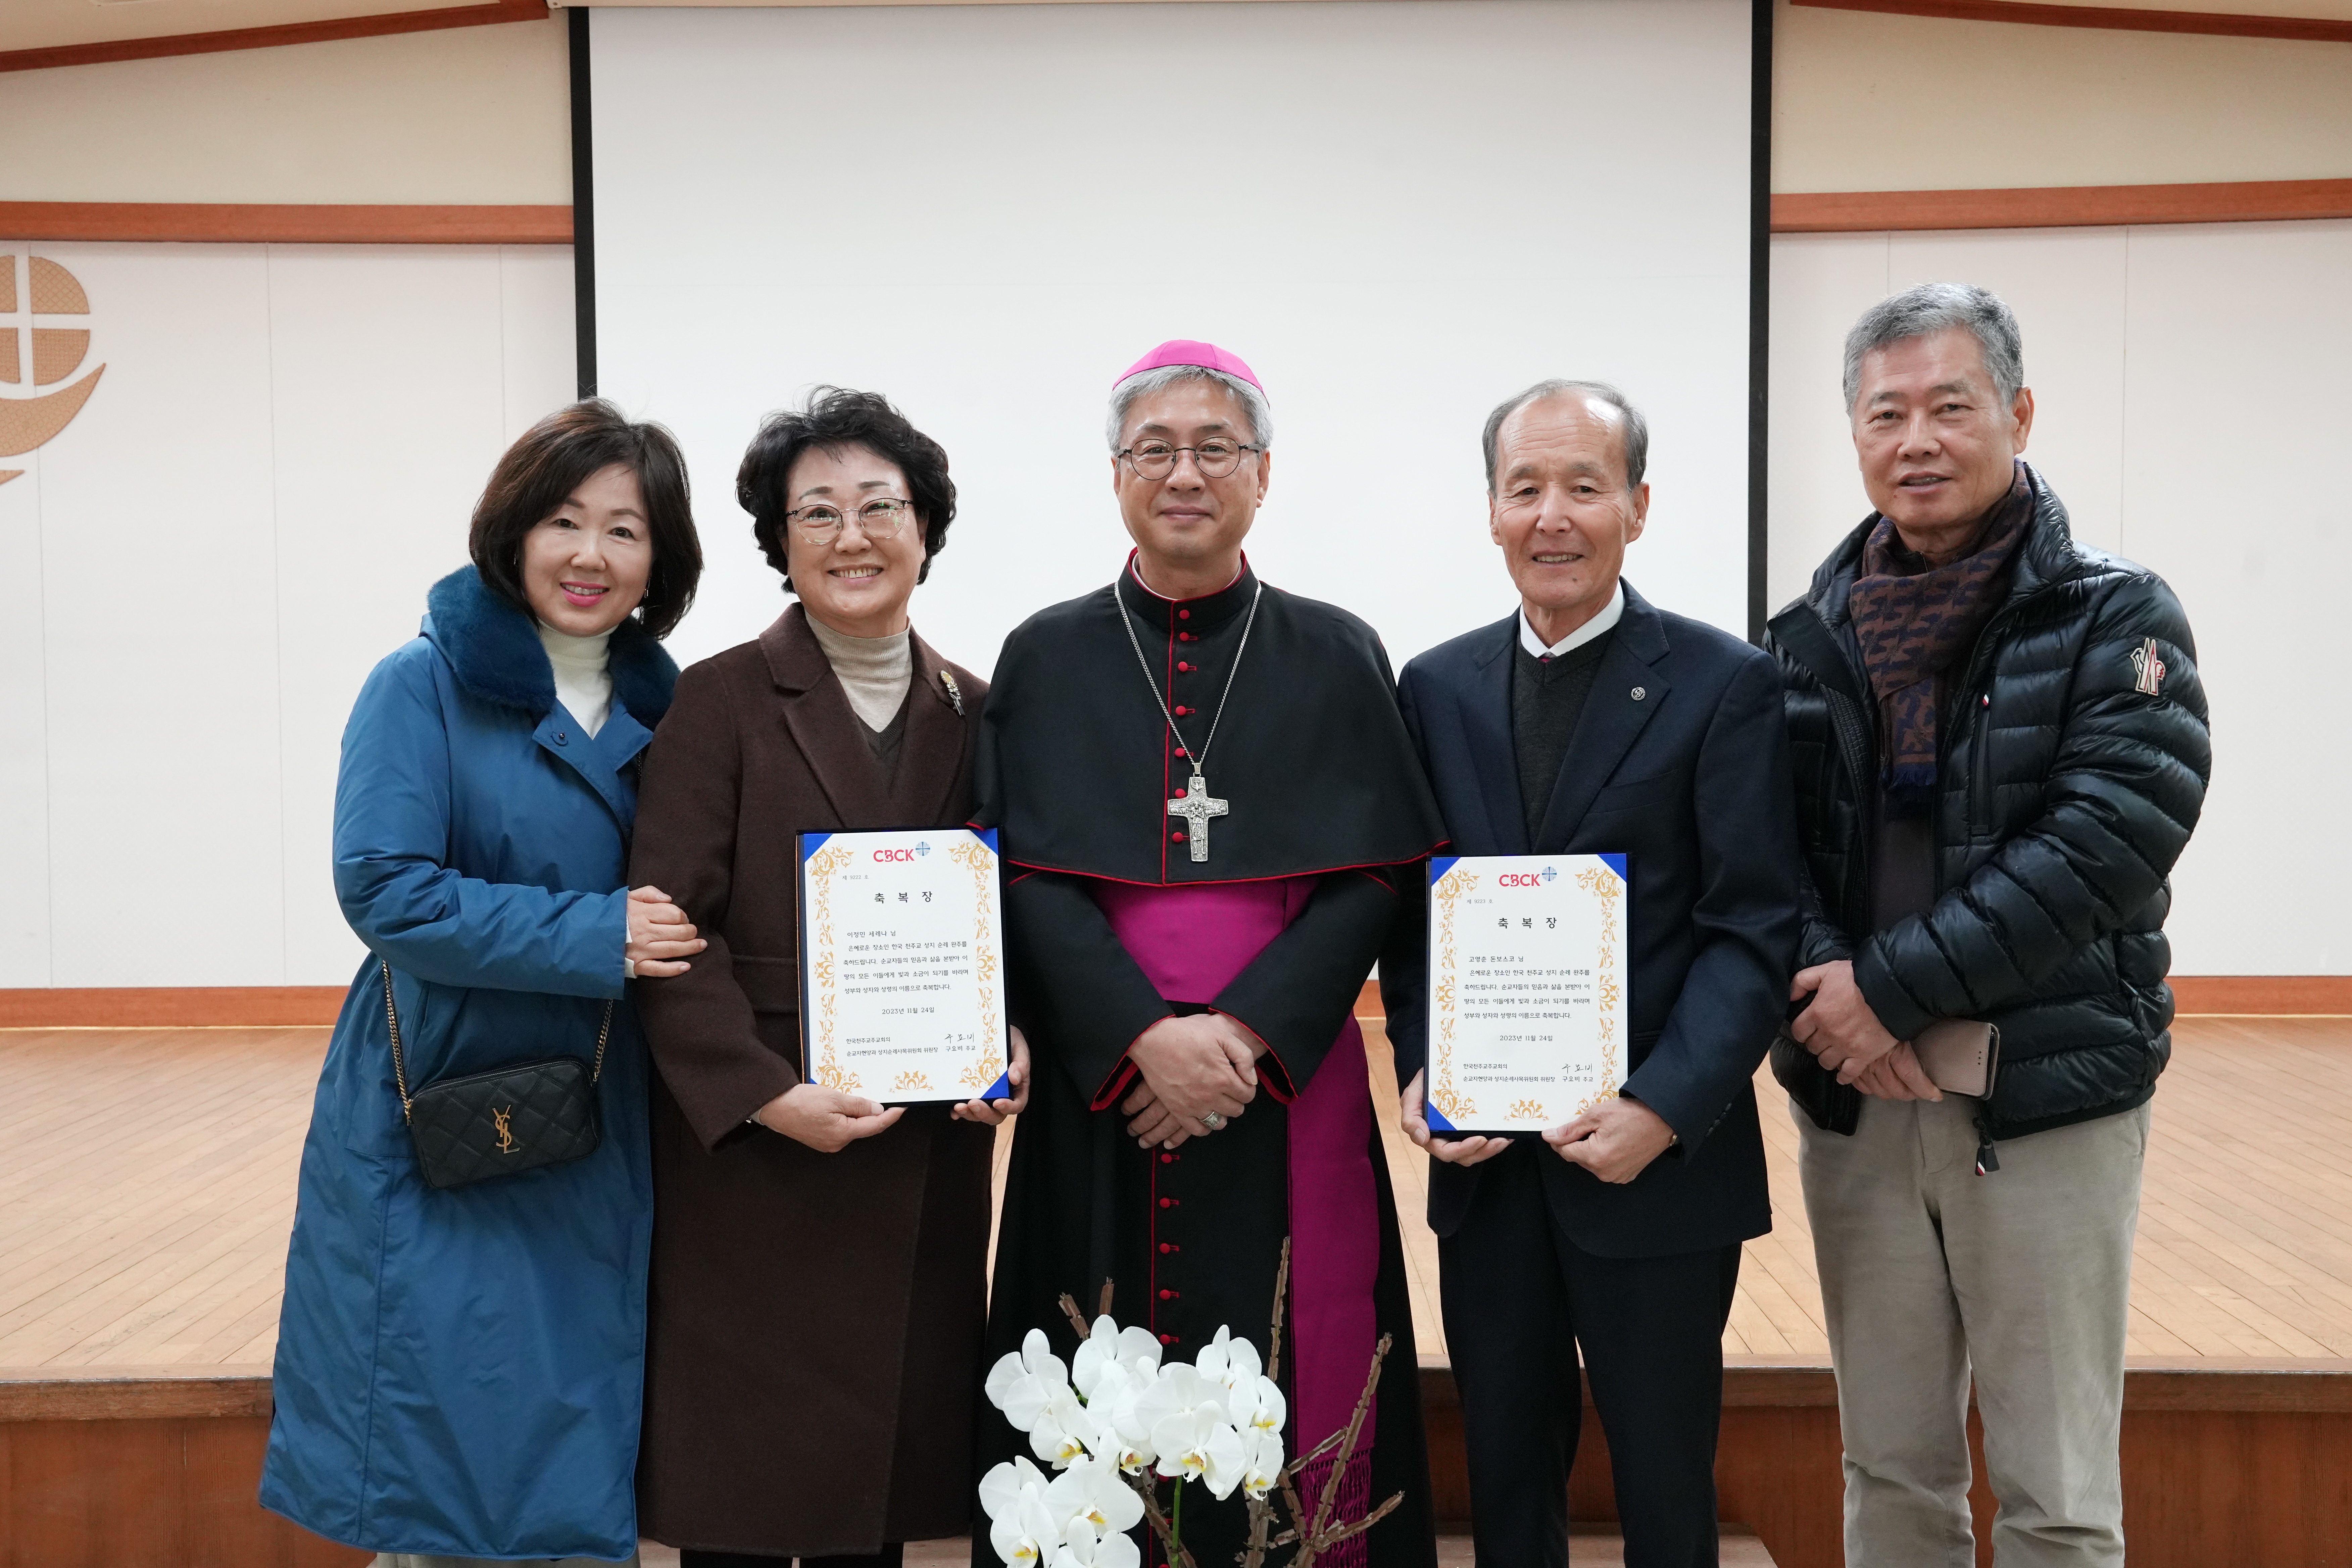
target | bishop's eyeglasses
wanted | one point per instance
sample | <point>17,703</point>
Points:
<point>880,518</point>
<point>1156,459</point>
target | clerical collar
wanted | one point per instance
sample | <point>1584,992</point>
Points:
<point>1610,615</point>
<point>1196,617</point>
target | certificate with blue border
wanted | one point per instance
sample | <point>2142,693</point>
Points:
<point>1526,989</point>
<point>902,964</point>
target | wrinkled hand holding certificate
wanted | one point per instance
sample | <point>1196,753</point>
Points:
<point>1526,989</point>
<point>902,964</point>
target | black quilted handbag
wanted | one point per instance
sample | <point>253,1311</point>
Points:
<point>511,1119</point>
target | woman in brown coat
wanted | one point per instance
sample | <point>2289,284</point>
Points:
<point>817,1289</point>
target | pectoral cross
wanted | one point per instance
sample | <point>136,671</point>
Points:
<point>1196,807</point>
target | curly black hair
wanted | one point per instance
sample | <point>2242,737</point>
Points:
<point>834,417</point>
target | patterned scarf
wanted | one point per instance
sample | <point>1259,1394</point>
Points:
<point>1913,620</point>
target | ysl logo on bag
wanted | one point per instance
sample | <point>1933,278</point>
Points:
<point>507,1144</point>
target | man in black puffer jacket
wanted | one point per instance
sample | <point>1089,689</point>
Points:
<point>2000,747</point>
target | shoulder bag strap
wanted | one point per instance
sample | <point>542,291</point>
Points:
<point>392,1021</point>
<point>400,1068</point>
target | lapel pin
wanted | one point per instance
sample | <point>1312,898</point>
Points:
<point>1639,693</point>
<point>955,694</point>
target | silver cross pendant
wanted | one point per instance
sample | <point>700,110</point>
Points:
<point>1196,807</point>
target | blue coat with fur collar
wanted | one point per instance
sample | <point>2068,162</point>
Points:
<point>458,1372</point>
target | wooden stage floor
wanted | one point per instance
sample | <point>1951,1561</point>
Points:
<point>147,1184</point>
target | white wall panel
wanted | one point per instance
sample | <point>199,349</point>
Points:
<point>24,731</point>
<point>2234,462</point>
<point>389,412</point>
<point>159,575</point>
<point>2183,413</point>
<point>539,327</point>
<point>283,455</point>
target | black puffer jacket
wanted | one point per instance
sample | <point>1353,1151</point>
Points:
<point>2066,790</point>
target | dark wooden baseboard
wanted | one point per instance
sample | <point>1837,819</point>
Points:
<point>2224,1461</point>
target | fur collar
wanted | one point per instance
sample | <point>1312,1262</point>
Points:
<point>494,651</point>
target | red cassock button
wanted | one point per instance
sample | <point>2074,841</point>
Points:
<point>1167,1339</point>
<point>1167,1295</point>
<point>1165,1248</point>
<point>1184,637</point>
<point>1182,708</point>
<point>1181,665</point>
<point>1183,614</point>
<point>1167,1159</point>
<point>1166,1202</point>
<point>1182,752</point>
<point>1175,838</point>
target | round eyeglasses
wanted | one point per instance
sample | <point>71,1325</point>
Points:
<point>880,518</point>
<point>1156,459</point>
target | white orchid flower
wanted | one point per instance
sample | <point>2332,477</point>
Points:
<point>1086,1549</point>
<point>1229,1362</point>
<point>1258,1405</point>
<point>1261,1462</point>
<point>1064,1430</point>
<point>1109,1345</point>
<point>1091,1492</point>
<point>1001,1488</point>
<point>1127,1441</point>
<point>1183,1414</point>
<point>1110,1551</point>
<point>1029,1538</point>
<point>1023,1384</point>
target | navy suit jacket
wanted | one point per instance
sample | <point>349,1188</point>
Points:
<point>1680,763</point>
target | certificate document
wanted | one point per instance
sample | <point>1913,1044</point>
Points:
<point>1526,989</point>
<point>902,964</point>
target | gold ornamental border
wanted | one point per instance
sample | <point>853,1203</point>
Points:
<point>977,857</point>
<point>1609,887</point>
<point>824,971</point>
<point>1456,1109</point>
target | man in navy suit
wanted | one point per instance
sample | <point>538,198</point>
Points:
<point>1590,721</point>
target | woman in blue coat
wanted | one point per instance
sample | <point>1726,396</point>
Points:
<point>459,1369</point>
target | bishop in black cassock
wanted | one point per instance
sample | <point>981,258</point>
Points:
<point>1112,925</point>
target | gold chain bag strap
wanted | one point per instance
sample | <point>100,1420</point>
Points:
<point>501,1122</point>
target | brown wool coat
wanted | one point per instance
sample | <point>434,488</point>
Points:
<point>812,1360</point>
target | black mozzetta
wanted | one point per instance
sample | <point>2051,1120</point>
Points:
<point>2072,771</point>
<point>1077,767</point>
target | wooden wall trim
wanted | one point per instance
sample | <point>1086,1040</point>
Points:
<point>2117,18</point>
<point>2061,206</point>
<point>288,223</point>
<point>2264,995</point>
<point>269,1007</point>
<point>270,37</point>
<point>171,1007</point>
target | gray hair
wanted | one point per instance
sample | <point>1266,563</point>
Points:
<point>1124,395</point>
<point>1637,430</point>
<point>1934,308</point>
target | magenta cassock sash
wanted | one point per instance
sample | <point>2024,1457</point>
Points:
<point>1191,942</point>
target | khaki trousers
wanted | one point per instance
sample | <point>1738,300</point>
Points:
<point>1931,1273</point>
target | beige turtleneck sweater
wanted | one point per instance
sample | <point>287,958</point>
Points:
<point>875,671</point>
